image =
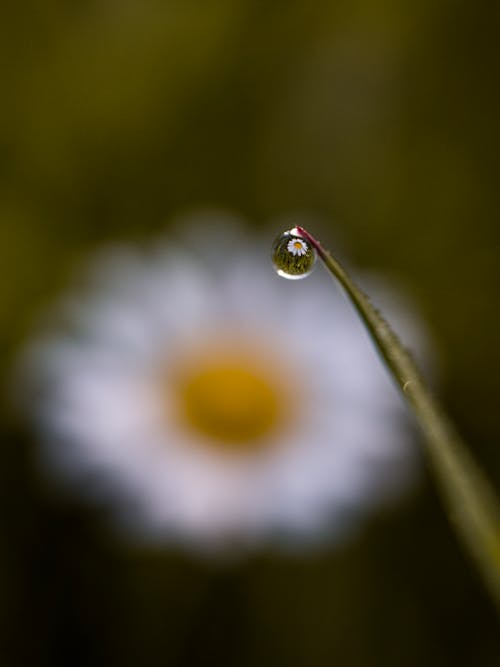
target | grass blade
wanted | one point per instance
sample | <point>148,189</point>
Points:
<point>468,496</point>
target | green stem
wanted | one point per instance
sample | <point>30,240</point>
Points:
<point>471,503</point>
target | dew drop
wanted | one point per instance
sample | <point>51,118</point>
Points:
<point>292,255</point>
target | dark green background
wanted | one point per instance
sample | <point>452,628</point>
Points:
<point>382,119</point>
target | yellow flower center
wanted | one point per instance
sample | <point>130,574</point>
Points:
<point>235,397</point>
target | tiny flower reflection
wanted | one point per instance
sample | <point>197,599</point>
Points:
<point>205,401</point>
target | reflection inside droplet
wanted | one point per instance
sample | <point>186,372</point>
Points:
<point>292,255</point>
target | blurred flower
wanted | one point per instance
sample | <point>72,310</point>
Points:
<point>207,401</point>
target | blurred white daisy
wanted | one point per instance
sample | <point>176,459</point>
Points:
<point>204,400</point>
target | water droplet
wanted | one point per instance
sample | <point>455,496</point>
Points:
<point>293,256</point>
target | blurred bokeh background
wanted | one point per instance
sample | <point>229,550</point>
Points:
<point>380,119</point>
